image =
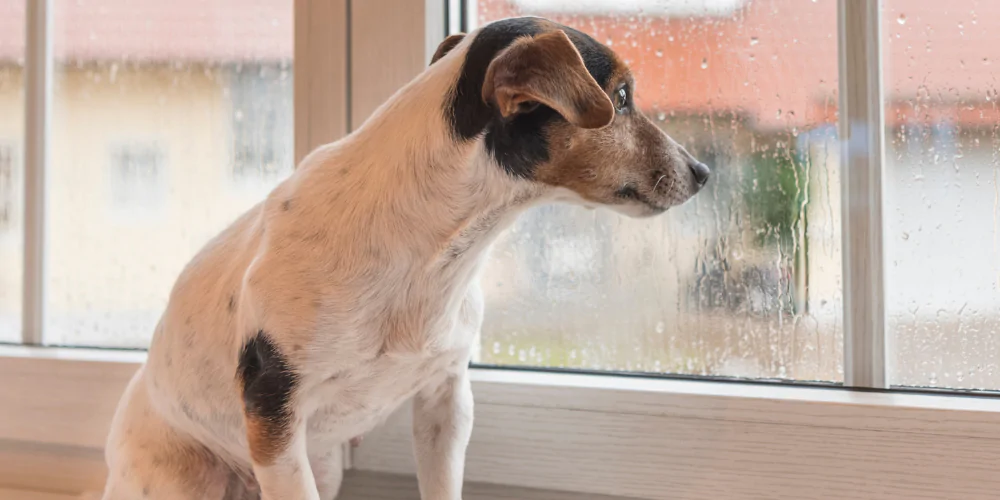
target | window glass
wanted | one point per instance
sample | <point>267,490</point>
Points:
<point>169,120</point>
<point>742,281</point>
<point>11,167</point>
<point>942,214</point>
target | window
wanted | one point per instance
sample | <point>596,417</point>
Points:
<point>941,173</point>
<point>742,281</point>
<point>150,93</point>
<point>9,198</point>
<point>138,178</point>
<point>262,123</point>
<point>648,7</point>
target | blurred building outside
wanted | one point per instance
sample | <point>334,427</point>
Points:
<point>171,118</point>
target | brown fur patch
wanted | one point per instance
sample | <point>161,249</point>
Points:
<point>631,161</point>
<point>547,69</point>
<point>266,440</point>
<point>268,383</point>
<point>445,47</point>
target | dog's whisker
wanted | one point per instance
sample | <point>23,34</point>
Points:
<point>658,182</point>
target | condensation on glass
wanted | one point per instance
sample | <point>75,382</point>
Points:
<point>942,79</point>
<point>11,166</point>
<point>169,120</point>
<point>742,281</point>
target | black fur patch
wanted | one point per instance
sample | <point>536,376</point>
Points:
<point>518,145</point>
<point>268,383</point>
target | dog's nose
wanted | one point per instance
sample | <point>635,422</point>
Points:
<point>700,171</point>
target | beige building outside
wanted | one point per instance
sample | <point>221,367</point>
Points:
<point>170,118</point>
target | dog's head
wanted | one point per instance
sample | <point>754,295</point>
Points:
<point>554,106</point>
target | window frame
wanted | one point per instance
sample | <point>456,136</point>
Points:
<point>653,438</point>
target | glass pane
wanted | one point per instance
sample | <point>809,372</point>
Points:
<point>11,171</point>
<point>742,281</point>
<point>170,119</point>
<point>942,64</point>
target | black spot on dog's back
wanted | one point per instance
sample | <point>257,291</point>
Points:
<point>518,145</point>
<point>268,383</point>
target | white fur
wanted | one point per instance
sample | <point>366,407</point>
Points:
<point>366,281</point>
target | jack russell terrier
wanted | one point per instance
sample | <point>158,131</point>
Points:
<point>352,287</point>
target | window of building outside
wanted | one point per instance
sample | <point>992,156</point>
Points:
<point>137,172</point>
<point>11,180</point>
<point>262,146</point>
<point>186,106</point>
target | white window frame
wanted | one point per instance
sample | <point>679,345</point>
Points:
<point>614,435</point>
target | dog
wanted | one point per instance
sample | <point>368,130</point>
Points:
<point>352,288</point>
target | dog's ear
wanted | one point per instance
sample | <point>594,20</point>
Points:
<point>446,46</point>
<point>547,69</point>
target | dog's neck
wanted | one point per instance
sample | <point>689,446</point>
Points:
<point>417,189</point>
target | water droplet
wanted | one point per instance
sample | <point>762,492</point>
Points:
<point>661,116</point>
<point>754,41</point>
<point>704,63</point>
<point>660,327</point>
<point>901,19</point>
<point>659,53</point>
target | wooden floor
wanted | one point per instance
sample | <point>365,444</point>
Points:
<point>374,486</point>
<point>371,486</point>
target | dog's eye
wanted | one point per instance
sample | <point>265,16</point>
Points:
<point>621,98</point>
<point>527,106</point>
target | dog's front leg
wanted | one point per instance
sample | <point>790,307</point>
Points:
<point>276,431</point>
<point>283,473</point>
<point>442,425</point>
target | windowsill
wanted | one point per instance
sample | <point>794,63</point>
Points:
<point>624,394</point>
<point>73,354</point>
<point>628,387</point>
<point>625,436</point>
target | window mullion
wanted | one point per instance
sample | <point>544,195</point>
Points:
<point>321,73</point>
<point>38,105</point>
<point>862,157</point>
